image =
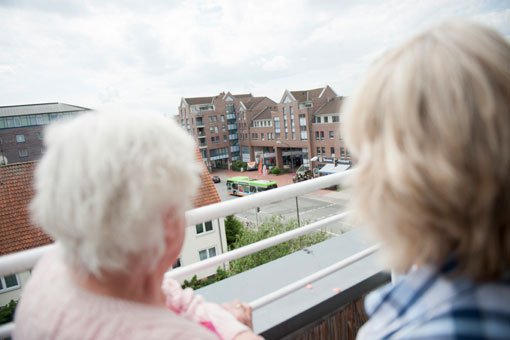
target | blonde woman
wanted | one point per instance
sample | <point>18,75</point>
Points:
<point>430,129</point>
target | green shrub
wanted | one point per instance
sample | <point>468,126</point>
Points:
<point>195,283</point>
<point>276,171</point>
<point>233,229</point>
<point>237,165</point>
<point>7,312</point>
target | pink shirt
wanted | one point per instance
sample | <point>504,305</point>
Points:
<point>53,307</point>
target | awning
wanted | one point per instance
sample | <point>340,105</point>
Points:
<point>332,169</point>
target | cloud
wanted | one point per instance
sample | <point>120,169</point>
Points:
<point>148,55</point>
<point>277,63</point>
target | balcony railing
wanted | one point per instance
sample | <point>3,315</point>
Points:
<point>25,260</point>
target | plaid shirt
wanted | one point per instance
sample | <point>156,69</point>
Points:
<point>426,304</point>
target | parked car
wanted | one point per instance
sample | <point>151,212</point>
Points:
<point>303,173</point>
<point>216,179</point>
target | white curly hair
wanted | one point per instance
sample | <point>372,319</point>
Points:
<point>105,182</point>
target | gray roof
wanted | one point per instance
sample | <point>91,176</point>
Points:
<point>333,106</point>
<point>199,100</point>
<point>264,114</point>
<point>243,95</point>
<point>31,109</point>
<point>271,276</point>
<point>306,95</point>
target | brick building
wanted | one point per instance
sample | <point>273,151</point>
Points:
<point>213,121</point>
<point>21,128</point>
<point>304,125</point>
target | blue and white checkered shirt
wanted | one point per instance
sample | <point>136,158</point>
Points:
<point>427,304</point>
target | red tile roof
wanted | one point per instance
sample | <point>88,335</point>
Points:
<point>16,230</point>
<point>207,193</point>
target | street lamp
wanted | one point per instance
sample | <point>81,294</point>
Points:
<point>291,156</point>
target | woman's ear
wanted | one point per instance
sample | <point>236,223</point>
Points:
<point>174,232</point>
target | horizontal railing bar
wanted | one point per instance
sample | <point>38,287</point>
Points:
<point>6,330</point>
<point>231,207</point>
<point>284,291</point>
<point>22,260</point>
<point>192,269</point>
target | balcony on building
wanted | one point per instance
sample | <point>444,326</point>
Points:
<point>199,122</point>
<point>314,293</point>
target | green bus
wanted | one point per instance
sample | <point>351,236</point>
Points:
<point>243,185</point>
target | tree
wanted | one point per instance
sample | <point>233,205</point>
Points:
<point>233,228</point>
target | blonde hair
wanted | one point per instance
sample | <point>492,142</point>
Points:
<point>105,183</point>
<point>430,128</point>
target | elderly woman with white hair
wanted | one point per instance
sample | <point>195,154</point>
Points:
<point>430,129</point>
<point>112,190</point>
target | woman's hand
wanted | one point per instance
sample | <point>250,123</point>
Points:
<point>241,311</point>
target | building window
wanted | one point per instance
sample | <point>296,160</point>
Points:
<point>207,253</point>
<point>224,138</point>
<point>336,119</point>
<point>316,135</point>
<point>325,119</point>
<point>332,150</point>
<point>204,227</point>
<point>222,118</point>
<point>342,153</point>
<point>23,152</point>
<point>20,138</point>
<point>323,150</point>
<point>318,150</point>
<point>331,134</point>
<point>9,282</point>
<point>304,135</point>
<point>322,135</point>
<point>318,119</point>
<point>177,263</point>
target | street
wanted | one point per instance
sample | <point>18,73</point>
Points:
<point>312,207</point>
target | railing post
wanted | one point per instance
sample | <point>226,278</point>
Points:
<point>297,212</point>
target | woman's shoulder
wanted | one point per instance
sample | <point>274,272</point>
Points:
<point>427,304</point>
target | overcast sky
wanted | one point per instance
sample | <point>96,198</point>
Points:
<point>124,53</point>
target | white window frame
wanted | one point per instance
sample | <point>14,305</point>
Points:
<point>208,253</point>
<point>204,229</point>
<point>20,138</point>
<point>23,153</point>
<point>4,288</point>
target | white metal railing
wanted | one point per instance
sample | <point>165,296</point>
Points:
<point>284,291</point>
<point>184,272</point>
<point>25,260</point>
<point>214,211</point>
